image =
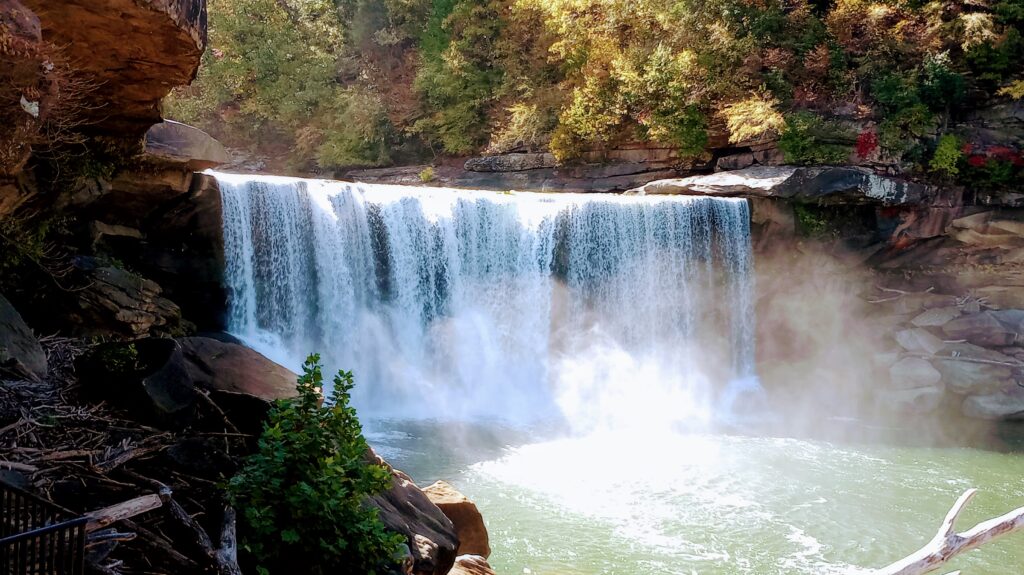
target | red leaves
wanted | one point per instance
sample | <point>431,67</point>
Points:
<point>867,142</point>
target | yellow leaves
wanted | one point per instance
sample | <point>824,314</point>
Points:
<point>752,118</point>
<point>978,28</point>
<point>1015,90</point>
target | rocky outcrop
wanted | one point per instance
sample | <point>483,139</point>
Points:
<point>117,302</point>
<point>510,163</point>
<point>132,52</point>
<point>471,565</point>
<point>405,509</point>
<point>823,185</point>
<point>174,144</point>
<point>468,522</point>
<point>20,353</point>
<point>616,177</point>
<point>231,367</point>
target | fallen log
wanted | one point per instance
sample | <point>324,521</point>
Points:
<point>947,543</point>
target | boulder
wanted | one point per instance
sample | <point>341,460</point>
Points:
<point>916,401</point>
<point>912,373</point>
<point>510,162</point>
<point>987,328</point>
<point>20,353</point>
<point>471,565</point>
<point>823,185</point>
<point>1006,405</point>
<point>176,144</point>
<point>235,368</point>
<point>468,522</point>
<point>963,376</point>
<point>406,509</point>
<point>147,377</point>
<point>119,303</point>
<point>919,340</point>
<point>936,316</point>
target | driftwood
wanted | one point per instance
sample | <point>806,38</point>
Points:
<point>126,509</point>
<point>54,436</point>
<point>227,555</point>
<point>947,543</point>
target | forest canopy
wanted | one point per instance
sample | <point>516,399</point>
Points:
<point>338,83</point>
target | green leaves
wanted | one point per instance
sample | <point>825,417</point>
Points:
<point>302,494</point>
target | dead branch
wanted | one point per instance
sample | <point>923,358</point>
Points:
<point>947,543</point>
<point>158,543</point>
<point>200,539</point>
<point>102,517</point>
<point>227,555</point>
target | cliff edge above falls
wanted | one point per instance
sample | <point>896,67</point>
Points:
<point>132,51</point>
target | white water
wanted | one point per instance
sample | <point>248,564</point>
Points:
<point>606,310</point>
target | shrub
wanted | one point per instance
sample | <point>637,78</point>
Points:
<point>752,118</point>
<point>427,175</point>
<point>302,495</point>
<point>807,139</point>
<point>947,156</point>
<point>1015,90</point>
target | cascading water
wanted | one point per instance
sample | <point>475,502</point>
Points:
<point>462,304</point>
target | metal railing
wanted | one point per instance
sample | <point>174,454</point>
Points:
<point>38,537</point>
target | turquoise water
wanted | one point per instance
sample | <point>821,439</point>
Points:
<point>715,504</point>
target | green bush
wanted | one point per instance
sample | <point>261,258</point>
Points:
<point>807,139</point>
<point>302,495</point>
<point>947,156</point>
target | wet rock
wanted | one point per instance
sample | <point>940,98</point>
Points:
<point>510,162</point>
<point>20,353</point>
<point>468,522</point>
<point>235,368</point>
<point>120,303</point>
<point>936,316</point>
<point>471,565</point>
<point>963,376</point>
<point>913,372</point>
<point>147,377</point>
<point>406,509</point>
<point>987,328</point>
<point>917,401</point>
<point>1006,405</point>
<point>834,185</point>
<point>919,340</point>
<point>184,146</point>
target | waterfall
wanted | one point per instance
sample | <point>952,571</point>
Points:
<point>467,304</point>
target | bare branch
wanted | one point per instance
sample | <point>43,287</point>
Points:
<point>947,543</point>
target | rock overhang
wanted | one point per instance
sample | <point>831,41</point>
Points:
<point>133,52</point>
<point>819,184</point>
